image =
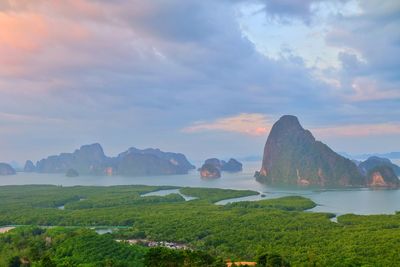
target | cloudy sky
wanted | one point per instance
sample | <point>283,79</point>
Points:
<point>206,78</point>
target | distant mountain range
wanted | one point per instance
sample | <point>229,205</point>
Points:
<point>6,169</point>
<point>292,156</point>
<point>389,155</point>
<point>91,160</point>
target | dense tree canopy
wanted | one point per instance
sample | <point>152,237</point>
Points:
<point>238,231</point>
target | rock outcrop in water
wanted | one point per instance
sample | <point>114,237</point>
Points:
<point>382,176</point>
<point>6,169</point>
<point>29,166</point>
<point>138,162</point>
<point>152,162</point>
<point>91,160</point>
<point>373,162</point>
<point>232,166</point>
<point>209,171</point>
<point>215,162</point>
<point>292,156</point>
<point>212,167</point>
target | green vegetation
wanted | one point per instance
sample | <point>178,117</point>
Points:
<point>62,247</point>
<point>290,203</point>
<point>276,228</point>
<point>271,260</point>
<point>32,246</point>
<point>163,257</point>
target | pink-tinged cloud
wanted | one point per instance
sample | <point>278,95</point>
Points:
<point>358,130</point>
<point>368,90</point>
<point>256,124</point>
<point>252,124</point>
<point>32,43</point>
<point>21,36</point>
<point>22,31</point>
<point>27,119</point>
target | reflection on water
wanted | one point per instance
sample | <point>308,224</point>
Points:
<point>168,192</point>
<point>102,231</point>
<point>359,201</point>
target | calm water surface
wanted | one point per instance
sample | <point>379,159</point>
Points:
<point>358,201</point>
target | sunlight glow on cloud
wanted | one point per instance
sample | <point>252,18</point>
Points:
<point>252,124</point>
<point>255,124</point>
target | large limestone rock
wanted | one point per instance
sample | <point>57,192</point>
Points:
<point>212,167</point>
<point>209,171</point>
<point>373,162</point>
<point>152,162</point>
<point>232,166</point>
<point>90,159</point>
<point>383,176</point>
<point>292,156</point>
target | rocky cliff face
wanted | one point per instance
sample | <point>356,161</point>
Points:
<point>382,176</point>
<point>373,162</point>
<point>168,162</point>
<point>215,162</point>
<point>6,169</point>
<point>212,167</point>
<point>209,171</point>
<point>136,162</point>
<point>292,156</point>
<point>90,159</point>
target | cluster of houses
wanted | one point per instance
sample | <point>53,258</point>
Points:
<point>150,243</point>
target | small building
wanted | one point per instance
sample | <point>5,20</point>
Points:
<point>241,263</point>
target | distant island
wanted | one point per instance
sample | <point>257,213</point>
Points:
<point>91,160</point>
<point>292,156</point>
<point>374,161</point>
<point>6,169</point>
<point>213,167</point>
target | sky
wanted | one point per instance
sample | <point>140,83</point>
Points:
<point>206,78</point>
